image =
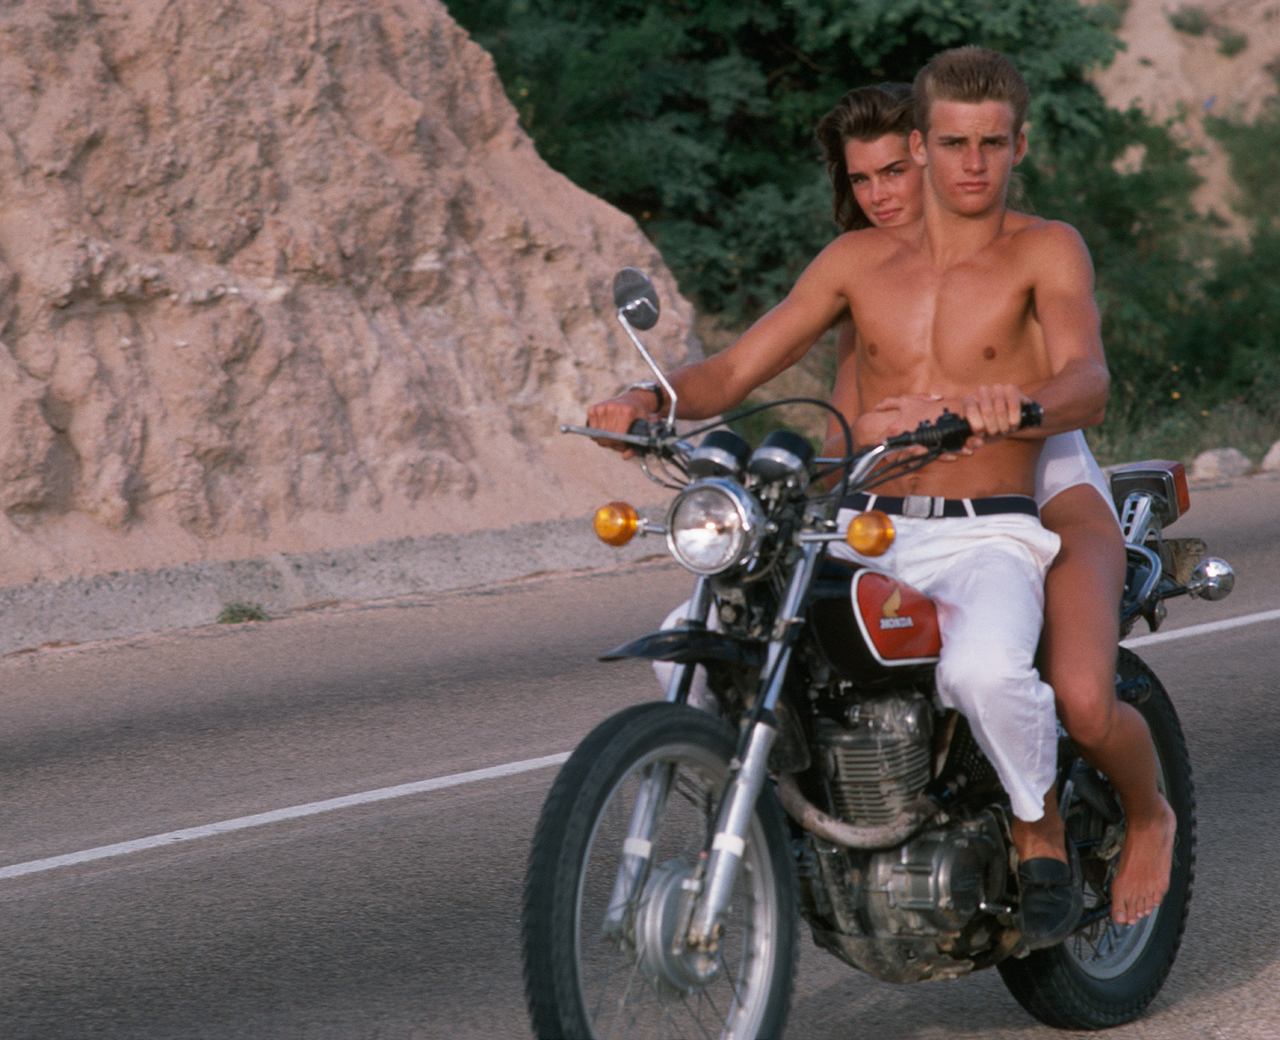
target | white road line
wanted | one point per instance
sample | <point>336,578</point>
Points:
<point>209,830</point>
<point>1202,630</point>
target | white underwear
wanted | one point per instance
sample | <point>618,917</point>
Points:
<point>1066,462</point>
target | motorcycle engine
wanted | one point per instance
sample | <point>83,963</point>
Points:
<point>880,760</point>
<point>936,882</point>
<point>913,911</point>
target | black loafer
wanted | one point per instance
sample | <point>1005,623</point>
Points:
<point>1052,899</point>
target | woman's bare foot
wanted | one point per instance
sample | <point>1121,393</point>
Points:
<point>1145,861</point>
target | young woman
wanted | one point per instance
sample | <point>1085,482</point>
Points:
<point>876,183</point>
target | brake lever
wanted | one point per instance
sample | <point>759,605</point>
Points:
<point>634,439</point>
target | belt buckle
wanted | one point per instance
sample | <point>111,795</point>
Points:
<point>918,506</point>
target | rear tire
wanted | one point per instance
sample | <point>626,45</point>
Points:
<point>1105,974</point>
<point>587,979</point>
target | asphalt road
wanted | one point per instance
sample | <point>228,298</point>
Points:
<point>143,894</point>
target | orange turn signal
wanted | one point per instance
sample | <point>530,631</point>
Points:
<point>870,533</point>
<point>616,523</point>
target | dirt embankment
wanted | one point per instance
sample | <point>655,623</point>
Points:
<point>286,275</point>
<point>1185,60</point>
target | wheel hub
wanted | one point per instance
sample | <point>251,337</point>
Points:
<point>671,966</point>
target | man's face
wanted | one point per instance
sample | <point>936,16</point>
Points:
<point>887,185</point>
<point>969,154</point>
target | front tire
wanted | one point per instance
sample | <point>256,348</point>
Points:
<point>1105,974</point>
<point>593,973</point>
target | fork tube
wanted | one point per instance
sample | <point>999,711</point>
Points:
<point>729,843</point>
<point>637,850</point>
<point>651,798</point>
<point>682,674</point>
<point>784,626</point>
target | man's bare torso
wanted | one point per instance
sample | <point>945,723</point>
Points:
<point>946,328</point>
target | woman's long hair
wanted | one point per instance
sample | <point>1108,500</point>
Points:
<point>863,114</point>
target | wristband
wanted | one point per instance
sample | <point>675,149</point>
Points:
<point>654,388</point>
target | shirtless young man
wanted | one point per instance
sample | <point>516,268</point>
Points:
<point>943,309</point>
<point>866,145</point>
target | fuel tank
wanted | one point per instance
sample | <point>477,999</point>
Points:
<point>872,628</point>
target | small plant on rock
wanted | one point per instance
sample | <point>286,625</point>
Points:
<point>234,613</point>
<point>1231,42</point>
<point>1190,19</point>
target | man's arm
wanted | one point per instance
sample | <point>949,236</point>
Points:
<point>1076,394</point>
<point>778,340</point>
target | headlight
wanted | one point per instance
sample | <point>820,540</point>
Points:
<point>713,525</point>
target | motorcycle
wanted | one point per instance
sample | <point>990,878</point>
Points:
<point>679,846</point>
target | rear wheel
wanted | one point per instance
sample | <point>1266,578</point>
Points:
<point>600,965</point>
<point>1106,974</point>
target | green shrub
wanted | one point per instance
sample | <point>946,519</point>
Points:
<point>1190,19</point>
<point>1231,42</point>
<point>236,612</point>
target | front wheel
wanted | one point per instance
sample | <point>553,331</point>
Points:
<point>616,852</point>
<point>1106,974</point>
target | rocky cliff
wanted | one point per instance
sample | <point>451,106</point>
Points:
<point>283,275</point>
<point>1183,61</point>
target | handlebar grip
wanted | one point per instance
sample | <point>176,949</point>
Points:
<point>949,431</point>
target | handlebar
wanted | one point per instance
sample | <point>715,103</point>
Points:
<point>947,433</point>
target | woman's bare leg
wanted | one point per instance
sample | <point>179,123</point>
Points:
<point>1082,596</point>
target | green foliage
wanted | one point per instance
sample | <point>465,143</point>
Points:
<point>1231,42</point>
<point>698,119</point>
<point>1229,338</point>
<point>1190,19</point>
<point>236,612</point>
<point>1252,149</point>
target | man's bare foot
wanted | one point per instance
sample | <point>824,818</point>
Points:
<point>1143,876</point>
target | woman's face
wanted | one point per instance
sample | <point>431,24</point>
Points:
<point>887,184</point>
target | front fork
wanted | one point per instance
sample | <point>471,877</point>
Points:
<point>705,916</point>
<point>651,798</point>
<point>749,770</point>
<point>637,850</point>
<point>746,783</point>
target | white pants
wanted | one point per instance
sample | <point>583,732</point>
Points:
<point>985,575</point>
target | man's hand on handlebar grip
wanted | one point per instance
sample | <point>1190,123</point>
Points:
<point>619,414</point>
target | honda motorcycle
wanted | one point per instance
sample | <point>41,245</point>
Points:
<point>820,777</point>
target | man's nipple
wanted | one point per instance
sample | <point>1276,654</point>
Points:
<point>872,349</point>
<point>989,353</point>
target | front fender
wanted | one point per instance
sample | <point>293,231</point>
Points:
<point>689,645</point>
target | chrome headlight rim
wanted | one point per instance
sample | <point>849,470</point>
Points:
<point>745,528</point>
